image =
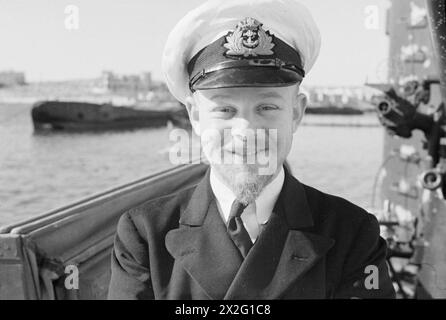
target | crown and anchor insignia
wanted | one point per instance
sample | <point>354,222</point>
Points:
<point>249,39</point>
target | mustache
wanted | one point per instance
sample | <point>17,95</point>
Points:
<point>244,143</point>
<point>244,150</point>
<point>240,142</point>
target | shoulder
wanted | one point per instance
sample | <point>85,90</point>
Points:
<point>356,232</point>
<point>158,213</point>
<point>341,214</point>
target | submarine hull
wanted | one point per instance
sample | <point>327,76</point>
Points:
<point>82,116</point>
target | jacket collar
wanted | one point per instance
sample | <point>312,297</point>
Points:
<point>293,203</point>
<point>198,206</point>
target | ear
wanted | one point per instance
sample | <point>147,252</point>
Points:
<point>299,107</point>
<point>193,112</point>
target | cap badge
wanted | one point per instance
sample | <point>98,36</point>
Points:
<point>249,39</point>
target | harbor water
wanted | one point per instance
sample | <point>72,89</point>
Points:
<point>40,172</point>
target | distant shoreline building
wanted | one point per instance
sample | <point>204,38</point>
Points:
<point>359,97</point>
<point>11,78</point>
<point>127,84</point>
<point>140,87</point>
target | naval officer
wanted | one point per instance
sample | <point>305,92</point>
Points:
<point>244,233</point>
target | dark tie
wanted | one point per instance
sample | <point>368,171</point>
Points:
<point>236,230</point>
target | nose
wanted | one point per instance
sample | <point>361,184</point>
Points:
<point>242,129</point>
<point>243,126</point>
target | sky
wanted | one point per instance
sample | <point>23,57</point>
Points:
<point>128,36</point>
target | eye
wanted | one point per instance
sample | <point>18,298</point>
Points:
<point>267,107</point>
<point>226,110</point>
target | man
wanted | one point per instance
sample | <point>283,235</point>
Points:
<point>246,231</point>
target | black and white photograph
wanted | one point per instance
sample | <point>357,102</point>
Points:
<point>241,150</point>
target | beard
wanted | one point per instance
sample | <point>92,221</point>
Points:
<point>244,180</point>
<point>245,166</point>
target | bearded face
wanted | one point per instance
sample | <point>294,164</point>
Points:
<point>246,133</point>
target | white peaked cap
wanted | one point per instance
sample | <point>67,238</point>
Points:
<point>288,20</point>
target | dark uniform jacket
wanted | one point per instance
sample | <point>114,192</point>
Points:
<point>314,246</point>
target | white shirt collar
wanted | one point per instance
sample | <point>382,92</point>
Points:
<point>264,203</point>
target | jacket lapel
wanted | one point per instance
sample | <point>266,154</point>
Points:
<point>202,245</point>
<point>284,251</point>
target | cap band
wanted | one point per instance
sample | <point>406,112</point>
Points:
<point>274,63</point>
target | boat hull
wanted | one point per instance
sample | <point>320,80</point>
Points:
<point>80,116</point>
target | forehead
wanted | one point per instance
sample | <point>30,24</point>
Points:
<point>250,93</point>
